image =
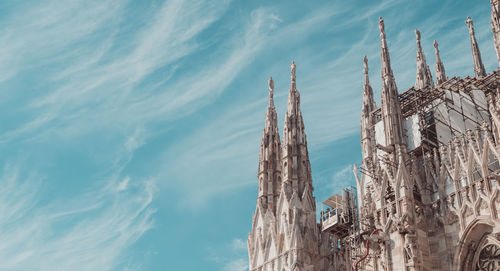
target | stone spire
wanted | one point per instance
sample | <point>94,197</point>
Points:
<point>479,70</point>
<point>366,110</point>
<point>292,228</point>
<point>391,109</point>
<point>440,72</point>
<point>368,101</point>
<point>495,25</point>
<point>293,95</point>
<point>424,77</point>
<point>270,153</point>
<point>295,158</point>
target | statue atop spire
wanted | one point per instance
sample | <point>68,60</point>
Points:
<point>440,72</point>
<point>479,70</point>
<point>424,77</point>
<point>271,92</point>
<point>292,69</point>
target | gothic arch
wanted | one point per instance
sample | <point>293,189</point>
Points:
<point>474,235</point>
<point>487,257</point>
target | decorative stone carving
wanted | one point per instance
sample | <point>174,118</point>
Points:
<point>489,258</point>
<point>410,246</point>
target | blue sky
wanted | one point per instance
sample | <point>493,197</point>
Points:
<point>130,129</point>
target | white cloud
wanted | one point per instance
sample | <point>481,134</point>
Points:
<point>124,184</point>
<point>238,244</point>
<point>231,256</point>
<point>97,94</point>
<point>344,173</point>
<point>236,265</point>
<point>89,231</point>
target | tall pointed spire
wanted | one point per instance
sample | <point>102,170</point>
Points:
<point>366,110</point>
<point>495,25</point>
<point>295,157</point>
<point>368,101</point>
<point>270,154</point>
<point>284,222</point>
<point>384,53</point>
<point>424,77</point>
<point>479,70</point>
<point>391,109</point>
<point>440,72</point>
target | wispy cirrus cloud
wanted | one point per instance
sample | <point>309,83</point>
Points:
<point>99,79</point>
<point>89,231</point>
<point>47,39</point>
<point>92,92</point>
<point>235,260</point>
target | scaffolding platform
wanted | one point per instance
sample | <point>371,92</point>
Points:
<point>340,215</point>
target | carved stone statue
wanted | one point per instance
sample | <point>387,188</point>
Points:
<point>390,208</point>
<point>381,25</point>
<point>419,212</point>
<point>470,25</point>
<point>293,69</point>
<point>409,246</point>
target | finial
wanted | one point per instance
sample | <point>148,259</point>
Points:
<point>381,25</point>
<point>479,70</point>
<point>424,77</point>
<point>470,24</point>
<point>440,72</point>
<point>271,92</point>
<point>365,65</point>
<point>292,68</point>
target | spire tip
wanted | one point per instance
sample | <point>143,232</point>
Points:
<point>470,24</point>
<point>381,24</point>
<point>271,84</point>
<point>365,64</point>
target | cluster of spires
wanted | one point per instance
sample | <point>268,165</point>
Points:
<point>274,159</point>
<point>391,110</point>
<point>283,168</point>
<point>424,76</point>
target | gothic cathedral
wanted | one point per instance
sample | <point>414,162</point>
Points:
<point>428,187</point>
